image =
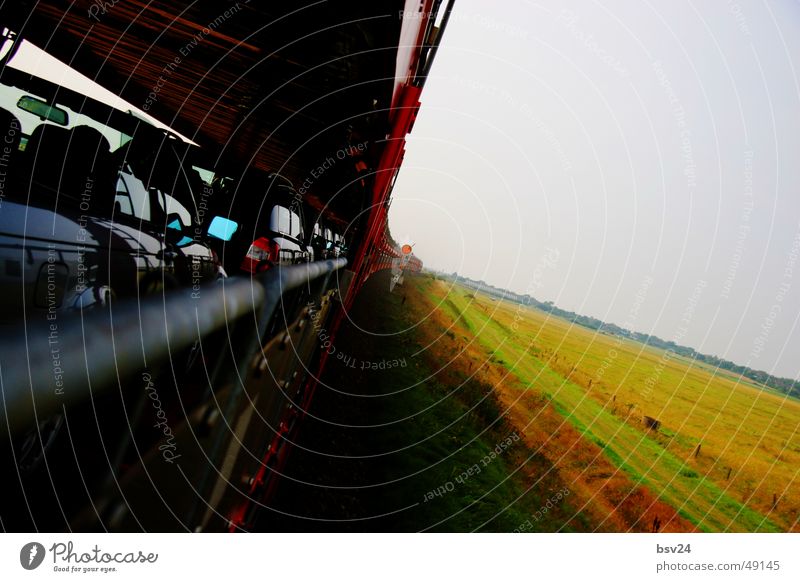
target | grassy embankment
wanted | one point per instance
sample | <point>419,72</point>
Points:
<point>726,457</point>
<point>396,449</point>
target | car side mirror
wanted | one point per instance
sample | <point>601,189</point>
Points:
<point>222,228</point>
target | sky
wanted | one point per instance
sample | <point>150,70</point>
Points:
<point>633,161</point>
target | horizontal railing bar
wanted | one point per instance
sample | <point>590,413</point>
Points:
<point>45,365</point>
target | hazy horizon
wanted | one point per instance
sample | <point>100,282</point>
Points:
<point>628,162</point>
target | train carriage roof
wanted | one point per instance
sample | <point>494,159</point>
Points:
<point>276,86</point>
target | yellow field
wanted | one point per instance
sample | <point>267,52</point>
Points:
<point>725,458</point>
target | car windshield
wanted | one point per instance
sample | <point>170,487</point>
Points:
<point>10,98</point>
<point>71,151</point>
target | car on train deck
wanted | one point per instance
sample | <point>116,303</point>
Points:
<point>275,230</point>
<point>322,242</point>
<point>95,203</point>
<point>326,242</point>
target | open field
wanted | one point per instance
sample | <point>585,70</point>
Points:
<point>726,456</point>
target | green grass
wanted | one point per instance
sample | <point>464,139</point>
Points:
<point>553,358</point>
<point>452,424</point>
<point>450,443</point>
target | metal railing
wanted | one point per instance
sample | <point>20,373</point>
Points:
<point>73,358</point>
